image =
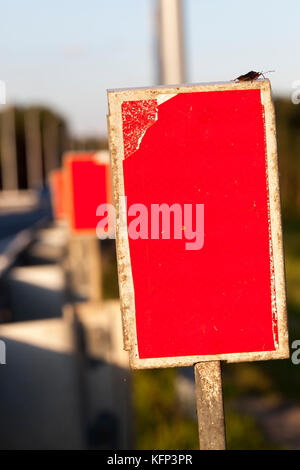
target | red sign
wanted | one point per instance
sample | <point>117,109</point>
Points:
<point>57,194</point>
<point>88,185</point>
<point>215,290</point>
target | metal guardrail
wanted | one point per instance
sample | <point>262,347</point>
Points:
<point>18,244</point>
<point>22,213</point>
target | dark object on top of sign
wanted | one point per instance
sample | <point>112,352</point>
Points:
<point>251,76</point>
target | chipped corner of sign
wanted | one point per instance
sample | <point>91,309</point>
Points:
<point>165,97</point>
<point>137,117</point>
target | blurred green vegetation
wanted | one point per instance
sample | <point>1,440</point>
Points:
<point>160,424</point>
<point>288,138</point>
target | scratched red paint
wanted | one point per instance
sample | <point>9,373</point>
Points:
<point>137,117</point>
<point>88,189</point>
<point>206,148</point>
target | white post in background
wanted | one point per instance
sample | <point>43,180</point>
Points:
<point>170,42</point>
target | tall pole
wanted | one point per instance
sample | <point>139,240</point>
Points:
<point>170,42</point>
<point>9,165</point>
<point>33,149</point>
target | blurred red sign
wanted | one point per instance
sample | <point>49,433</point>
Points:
<point>56,181</point>
<point>88,185</point>
<point>215,291</point>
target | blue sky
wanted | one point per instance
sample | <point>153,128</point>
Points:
<point>66,53</point>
